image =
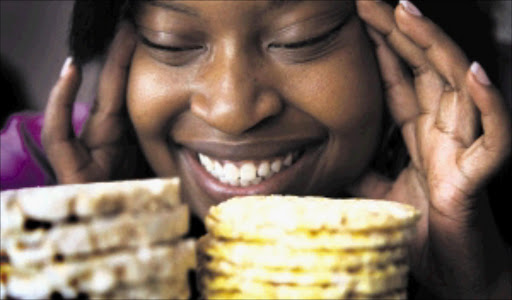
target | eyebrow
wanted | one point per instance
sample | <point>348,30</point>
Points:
<point>278,4</point>
<point>177,7</point>
<point>181,8</point>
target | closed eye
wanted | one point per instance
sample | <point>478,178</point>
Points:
<point>328,36</point>
<point>148,43</point>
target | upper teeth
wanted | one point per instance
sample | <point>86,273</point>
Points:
<point>247,172</point>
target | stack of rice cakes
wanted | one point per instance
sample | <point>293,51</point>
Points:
<point>114,240</point>
<point>287,247</point>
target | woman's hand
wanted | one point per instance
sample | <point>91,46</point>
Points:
<point>104,150</point>
<point>442,105</point>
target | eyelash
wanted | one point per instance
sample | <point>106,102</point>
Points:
<point>167,48</point>
<point>311,41</point>
<point>296,45</point>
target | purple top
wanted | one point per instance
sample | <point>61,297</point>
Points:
<point>23,162</point>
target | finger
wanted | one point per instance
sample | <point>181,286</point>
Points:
<point>113,77</point>
<point>456,114</point>
<point>397,83</point>
<point>108,111</point>
<point>401,97</point>
<point>440,50</point>
<point>457,117</point>
<point>489,151</point>
<point>57,127</point>
<point>63,150</point>
<point>380,16</point>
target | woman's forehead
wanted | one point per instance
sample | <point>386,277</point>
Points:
<point>238,12</point>
<point>197,8</point>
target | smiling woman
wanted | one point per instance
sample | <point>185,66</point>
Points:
<point>326,98</point>
<point>245,89</point>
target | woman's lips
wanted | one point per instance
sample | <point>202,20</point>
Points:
<point>222,178</point>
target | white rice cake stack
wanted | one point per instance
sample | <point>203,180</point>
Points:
<point>100,240</point>
<point>289,247</point>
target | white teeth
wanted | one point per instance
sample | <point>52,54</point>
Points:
<point>231,172</point>
<point>217,169</point>
<point>202,158</point>
<point>288,160</point>
<point>206,162</point>
<point>256,180</point>
<point>249,173</point>
<point>264,169</point>
<point>276,165</point>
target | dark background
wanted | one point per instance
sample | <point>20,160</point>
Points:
<point>33,37</point>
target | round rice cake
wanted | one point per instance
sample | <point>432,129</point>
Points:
<point>336,240</point>
<point>300,276</point>
<point>279,256</point>
<point>225,294</point>
<point>319,284</point>
<point>262,217</point>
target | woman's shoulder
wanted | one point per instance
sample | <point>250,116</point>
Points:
<point>22,159</point>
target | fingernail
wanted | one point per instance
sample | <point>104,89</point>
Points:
<point>479,73</point>
<point>65,66</point>
<point>411,8</point>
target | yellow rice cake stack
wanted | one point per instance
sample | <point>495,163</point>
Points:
<point>289,247</point>
<point>114,240</point>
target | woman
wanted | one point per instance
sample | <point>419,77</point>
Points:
<point>266,97</point>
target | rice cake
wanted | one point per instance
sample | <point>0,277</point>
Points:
<point>338,241</point>
<point>392,277</point>
<point>83,201</point>
<point>225,294</point>
<point>285,275</point>
<point>102,274</point>
<point>305,247</point>
<point>262,217</point>
<point>99,235</point>
<point>280,256</point>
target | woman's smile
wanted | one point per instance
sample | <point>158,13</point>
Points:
<point>223,178</point>
<point>264,161</point>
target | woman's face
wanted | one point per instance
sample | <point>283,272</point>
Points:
<point>254,97</point>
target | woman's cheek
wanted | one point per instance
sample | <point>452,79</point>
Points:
<point>344,94</point>
<point>155,98</point>
<point>343,90</point>
<point>344,102</point>
<point>155,95</point>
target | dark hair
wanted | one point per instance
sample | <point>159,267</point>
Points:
<point>93,25</point>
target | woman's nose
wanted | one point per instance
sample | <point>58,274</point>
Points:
<point>231,94</point>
